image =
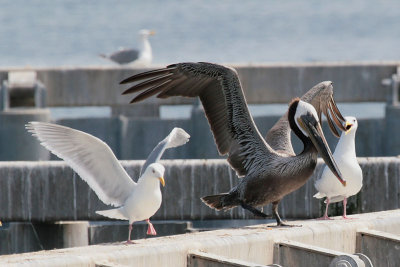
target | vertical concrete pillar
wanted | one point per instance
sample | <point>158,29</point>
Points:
<point>75,233</point>
<point>15,142</point>
<point>392,130</point>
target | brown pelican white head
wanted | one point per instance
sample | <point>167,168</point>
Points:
<point>268,174</point>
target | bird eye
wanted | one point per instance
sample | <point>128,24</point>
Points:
<point>154,171</point>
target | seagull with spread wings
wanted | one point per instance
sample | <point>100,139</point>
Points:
<point>97,165</point>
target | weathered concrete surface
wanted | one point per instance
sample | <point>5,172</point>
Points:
<point>15,142</point>
<point>292,253</point>
<point>51,191</point>
<point>99,86</point>
<point>383,248</point>
<point>201,259</point>
<point>135,138</point>
<point>254,244</point>
<point>16,237</point>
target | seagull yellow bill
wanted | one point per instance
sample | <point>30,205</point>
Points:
<point>347,126</point>
<point>162,181</point>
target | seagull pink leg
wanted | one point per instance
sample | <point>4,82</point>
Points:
<point>344,210</point>
<point>150,229</point>
<point>326,217</point>
<point>129,241</point>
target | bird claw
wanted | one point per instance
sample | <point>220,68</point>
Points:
<point>282,224</point>
<point>348,218</point>
<point>150,229</point>
<point>129,242</point>
<point>324,218</point>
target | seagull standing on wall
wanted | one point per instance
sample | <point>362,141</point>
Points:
<point>97,165</point>
<point>142,57</point>
<point>345,157</point>
<point>268,173</point>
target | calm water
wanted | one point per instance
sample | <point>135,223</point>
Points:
<point>71,32</point>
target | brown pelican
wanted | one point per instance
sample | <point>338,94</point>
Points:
<point>97,165</point>
<point>129,55</point>
<point>345,156</point>
<point>269,174</point>
<point>321,97</point>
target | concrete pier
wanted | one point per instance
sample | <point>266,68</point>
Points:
<point>253,244</point>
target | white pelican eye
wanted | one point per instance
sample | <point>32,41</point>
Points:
<point>154,171</point>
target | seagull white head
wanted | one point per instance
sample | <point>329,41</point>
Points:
<point>146,33</point>
<point>155,171</point>
<point>351,124</point>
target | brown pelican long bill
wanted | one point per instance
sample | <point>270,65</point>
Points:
<point>268,174</point>
<point>321,97</point>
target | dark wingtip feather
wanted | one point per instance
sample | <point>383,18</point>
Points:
<point>145,75</point>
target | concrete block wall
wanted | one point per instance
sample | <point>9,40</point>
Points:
<point>50,191</point>
<point>133,138</point>
<point>99,86</point>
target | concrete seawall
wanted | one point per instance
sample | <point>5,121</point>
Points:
<point>51,191</point>
<point>264,83</point>
<point>255,244</point>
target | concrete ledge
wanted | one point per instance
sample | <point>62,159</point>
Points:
<point>20,237</point>
<point>292,253</point>
<point>252,244</point>
<point>50,191</point>
<point>382,247</point>
<point>99,86</point>
<point>201,259</point>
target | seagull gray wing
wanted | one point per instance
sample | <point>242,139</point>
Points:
<point>220,92</point>
<point>124,56</point>
<point>90,157</point>
<point>177,137</point>
<point>321,97</point>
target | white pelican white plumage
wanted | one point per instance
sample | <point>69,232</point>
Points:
<point>97,165</point>
<point>345,157</point>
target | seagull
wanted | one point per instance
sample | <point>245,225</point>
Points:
<point>345,157</point>
<point>134,56</point>
<point>97,165</point>
<point>267,174</point>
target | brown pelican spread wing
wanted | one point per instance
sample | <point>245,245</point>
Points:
<point>269,175</point>
<point>224,103</point>
<point>321,97</point>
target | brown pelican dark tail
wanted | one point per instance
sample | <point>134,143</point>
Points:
<point>222,201</point>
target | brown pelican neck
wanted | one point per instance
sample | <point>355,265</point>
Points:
<point>304,139</point>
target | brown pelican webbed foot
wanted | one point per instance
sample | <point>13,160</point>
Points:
<point>278,219</point>
<point>283,224</point>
